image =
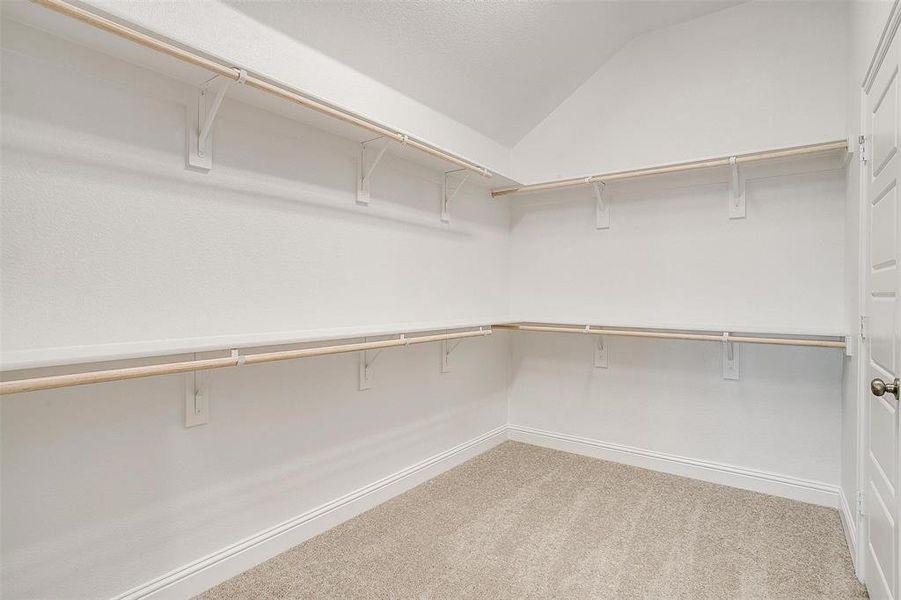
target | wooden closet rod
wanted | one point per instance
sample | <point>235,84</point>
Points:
<point>703,337</point>
<point>58,381</point>
<point>724,161</point>
<point>293,95</point>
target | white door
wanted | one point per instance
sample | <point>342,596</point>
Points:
<point>882,464</point>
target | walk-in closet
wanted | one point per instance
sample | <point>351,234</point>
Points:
<point>439,299</point>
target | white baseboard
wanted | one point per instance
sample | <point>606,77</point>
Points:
<point>215,568</point>
<point>849,525</point>
<point>774,484</point>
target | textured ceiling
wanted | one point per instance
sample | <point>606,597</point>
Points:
<point>499,67</point>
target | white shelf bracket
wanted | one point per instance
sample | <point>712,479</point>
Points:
<point>367,359</point>
<point>737,208</point>
<point>447,195</point>
<point>600,352</point>
<point>731,364</point>
<point>197,398</point>
<point>364,170</point>
<point>601,205</point>
<point>209,100</point>
<point>366,362</point>
<point>448,346</point>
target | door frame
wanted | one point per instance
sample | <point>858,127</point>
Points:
<point>863,355</point>
<point>862,389</point>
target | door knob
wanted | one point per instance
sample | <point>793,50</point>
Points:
<point>879,387</point>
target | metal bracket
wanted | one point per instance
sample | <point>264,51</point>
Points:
<point>447,197</point>
<point>601,206</point>
<point>600,349</point>
<point>366,362</point>
<point>200,141</point>
<point>364,171</point>
<point>850,341</point>
<point>448,346</point>
<point>600,352</point>
<point>197,398</point>
<point>731,364</point>
<point>737,208</point>
<point>367,359</point>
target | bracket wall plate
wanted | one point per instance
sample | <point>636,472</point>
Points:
<point>447,194</point>
<point>364,170</point>
<point>366,362</point>
<point>197,398</point>
<point>601,205</point>
<point>600,352</point>
<point>731,356</point>
<point>737,209</point>
<point>447,346</point>
<point>202,117</point>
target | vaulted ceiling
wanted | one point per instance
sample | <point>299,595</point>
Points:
<point>499,67</point>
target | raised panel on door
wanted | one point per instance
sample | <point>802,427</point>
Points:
<point>884,118</point>
<point>882,283</point>
<point>881,544</point>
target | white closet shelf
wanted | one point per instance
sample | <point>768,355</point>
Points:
<point>236,359</point>
<point>734,335</point>
<point>194,67</point>
<point>764,329</point>
<point>95,353</point>
<point>453,330</point>
<point>834,147</point>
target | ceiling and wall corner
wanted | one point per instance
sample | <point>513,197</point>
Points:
<point>498,67</point>
<point>753,76</point>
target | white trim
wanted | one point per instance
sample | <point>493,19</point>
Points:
<point>794,488</point>
<point>71,355</point>
<point>862,357</point>
<point>885,40</point>
<point>849,525</point>
<point>202,574</point>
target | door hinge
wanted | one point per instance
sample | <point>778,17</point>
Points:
<point>861,503</point>
<point>862,143</point>
<point>863,327</point>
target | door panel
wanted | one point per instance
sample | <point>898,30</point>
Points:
<point>883,449</point>
<point>885,141</point>
<point>883,219</point>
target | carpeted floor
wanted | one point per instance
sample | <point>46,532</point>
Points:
<point>527,522</point>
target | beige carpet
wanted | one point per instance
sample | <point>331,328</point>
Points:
<point>527,522</point>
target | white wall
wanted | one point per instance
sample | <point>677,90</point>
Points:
<point>132,246</point>
<point>106,237</point>
<point>754,76</point>
<point>225,32</point>
<point>672,257</point>
<point>782,417</point>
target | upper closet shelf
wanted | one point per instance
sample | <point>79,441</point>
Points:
<point>838,147</point>
<point>196,67</point>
